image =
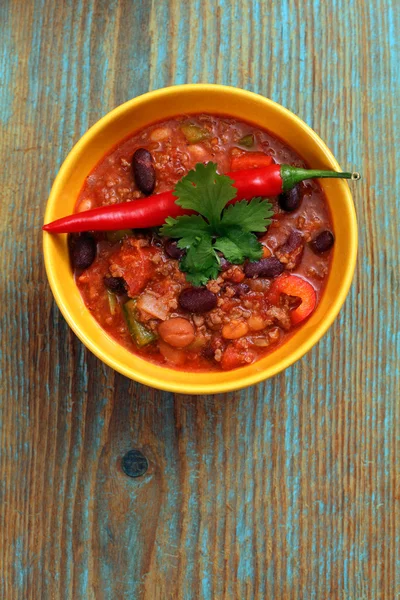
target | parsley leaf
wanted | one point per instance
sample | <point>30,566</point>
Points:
<point>229,249</point>
<point>249,216</point>
<point>205,191</point>
<point>201,262</point>
<point>186,227</point>
<point>238,245</point>
<point>228,230</point>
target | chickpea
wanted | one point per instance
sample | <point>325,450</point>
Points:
<point>256,323</point>
<point>172,355</point>
<point>177,332</point>
<point>234,330</point>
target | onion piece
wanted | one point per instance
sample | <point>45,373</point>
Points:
<point>152,305</point>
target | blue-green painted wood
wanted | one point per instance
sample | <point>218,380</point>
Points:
<point>288,490</point>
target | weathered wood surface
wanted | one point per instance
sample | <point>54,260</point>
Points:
<point>288,490</point>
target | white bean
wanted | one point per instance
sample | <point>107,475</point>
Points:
<point>86,204</point>
<point>160,134</point>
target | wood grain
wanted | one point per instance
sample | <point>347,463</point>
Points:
<point>288,490</point>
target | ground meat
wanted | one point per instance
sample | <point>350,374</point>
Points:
<point>281,316</point>
<point>124,192</point>
<point>289,302</point>
<point>307,236</point>
<point>274,335</point>
<point>230,292</point>
<point>300,222</point>
<point>172,303</point>
<point>153,324</point>
<point>234,274</point>
<point>213,286</point>
<point>318,271</point>
<point>291,251</point>
<point>214,319</point>
<point>156,259</point>
<point>218,355</point>
<point>198,320</point>
<point>235,313</point>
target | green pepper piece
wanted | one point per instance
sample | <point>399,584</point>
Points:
<point>140,334</point>
<point>112,301</point>
<point>247,140</point>
<point>116,236</point>
<point>194,133</point>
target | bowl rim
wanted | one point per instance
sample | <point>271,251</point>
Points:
<point>240,382</point>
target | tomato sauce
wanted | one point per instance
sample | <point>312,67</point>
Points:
<point>253,314</point>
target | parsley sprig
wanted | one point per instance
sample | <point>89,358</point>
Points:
<point>216,226</point>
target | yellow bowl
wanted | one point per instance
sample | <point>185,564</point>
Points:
<point>155,106</point>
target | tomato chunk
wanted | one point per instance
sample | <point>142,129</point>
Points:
<point>235,357</point>
<point>250,160</point>
<point>134,265</point>
<point>292,285</point>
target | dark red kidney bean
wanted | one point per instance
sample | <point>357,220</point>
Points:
<point>172,249</point>
<point>197,300</point>
<point>294,240</point>
<point>143,171</point>
<point>266,267</point>
<point>323,242</point>
<point>240,289</point>
<point>82,250</point>
<point>117,285</point>
<point>291,199</point>
<point>208,353</point>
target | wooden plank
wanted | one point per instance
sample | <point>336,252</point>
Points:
<point>289,489</point>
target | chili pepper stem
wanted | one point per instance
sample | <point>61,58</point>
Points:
<point>293,175</point>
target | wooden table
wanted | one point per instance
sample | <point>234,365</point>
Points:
<point>287,490</point>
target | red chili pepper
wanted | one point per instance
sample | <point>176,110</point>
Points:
<point>153,210</point>
<point>292,285</point>
<point>250,160</point>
